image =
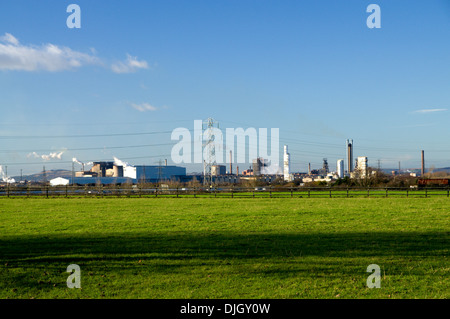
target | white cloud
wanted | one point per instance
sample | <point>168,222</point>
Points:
<point>143,107</point>
<point>9,38</point>
<point>53,58</point>
<point>131,65</point>
<point>430,111</point>
<point>48,57</point>
<point>47,157</point>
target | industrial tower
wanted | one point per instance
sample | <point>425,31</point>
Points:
<point>349,144</point>
<point>287,165</point>
<point>209,149</point>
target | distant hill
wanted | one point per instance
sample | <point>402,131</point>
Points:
<point>51,174</point>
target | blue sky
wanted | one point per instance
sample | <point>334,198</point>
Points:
<point>311,68</point>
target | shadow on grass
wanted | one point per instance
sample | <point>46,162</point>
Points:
<point>180,246</point>
<point>24,260</point>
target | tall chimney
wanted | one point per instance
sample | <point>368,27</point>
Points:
<point>309,168</point>
<point>423,163</point>
<point>165,161</point>
<point>350,155</point>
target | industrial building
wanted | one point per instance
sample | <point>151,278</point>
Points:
<point>361,166</point>
<point>217,170</point>
<point>114,173</point>
<point>156,173</point>
<point>258,165</point>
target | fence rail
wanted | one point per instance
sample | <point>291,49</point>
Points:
<point>218,192</point>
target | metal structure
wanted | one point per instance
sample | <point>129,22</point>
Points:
<point>325,168</point>
<point>209,149</point>
<point>258,166</point>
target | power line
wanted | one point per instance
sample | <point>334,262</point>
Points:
<point>81,136</point>
<point>96,160</point>
<point>87,148</point>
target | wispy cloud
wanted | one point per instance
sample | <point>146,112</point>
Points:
<point>47,57</point>
<point>143,107</point>
<point>47,157</point>
<point>53,58</point>
<point>131,65</point>
<point>429,111</point>
<point>9,38</point>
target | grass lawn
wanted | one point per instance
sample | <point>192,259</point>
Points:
<point>224,247</point>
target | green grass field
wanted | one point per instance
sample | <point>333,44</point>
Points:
<point>224,247</point>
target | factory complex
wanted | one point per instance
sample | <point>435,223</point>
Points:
<point>261,170</point>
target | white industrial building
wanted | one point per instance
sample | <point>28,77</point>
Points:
<point>361,165</point>
<point>59,181</point>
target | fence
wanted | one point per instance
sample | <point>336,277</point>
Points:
<point>11,191</point>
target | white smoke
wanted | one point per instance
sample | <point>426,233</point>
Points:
<point>74,159</point>
<point>47,157</point>
<point>119,162</point>
<point>272,169</point>
<point>128,170</point>
<point>5,178</point>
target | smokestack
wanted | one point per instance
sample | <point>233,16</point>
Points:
<point>165,161</point>
<point>237,170</point>
<point>287,164</point>
<point>350,155</point>
<point>309,168</point>
<point>423,163</point>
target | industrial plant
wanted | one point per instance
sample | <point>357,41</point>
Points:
<point>261,171</point>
